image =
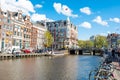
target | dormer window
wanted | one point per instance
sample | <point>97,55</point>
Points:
<point>20,16</point>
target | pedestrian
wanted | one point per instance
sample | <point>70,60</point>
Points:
<point>113,54</point>
<point>116,54</point>
<point>109,52</point>
<point>119,56</point>
<point>13,50</point>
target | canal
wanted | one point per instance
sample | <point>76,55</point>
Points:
<point>71,67</point>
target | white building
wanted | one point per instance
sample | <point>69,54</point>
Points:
<point>41,29</point>
<point>65,34</point>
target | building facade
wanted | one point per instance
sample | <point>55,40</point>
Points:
<point>18,30</point>
<point>34,33</point>
<point>15,30</point>
<point>18,27</point>
<point>27,32</point>
<point>6,30</point>
<point>113,40</point>
<point>65,34</point>
<point>41,29</point>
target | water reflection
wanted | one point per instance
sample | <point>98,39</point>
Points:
<point>48,68</point>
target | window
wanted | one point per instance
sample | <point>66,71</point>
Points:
<point>3,43</point>
<point>65,23</point>
<point>7,27</point>
<point>24,29</point>
<point>3,34</point>
<point>4,26</point>
<point>13,43</point>
<point>17,44</point>
<point>24,35</point>
<point>7,34</point>
<point>18,33</point>
<point>14,32</point>
<point>8,20</point>
<point>11,28</point>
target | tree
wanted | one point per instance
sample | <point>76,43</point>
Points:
<point>48,39</point>
<point>118,42</point>
<point>85,44</point>
<point>100,41</point>
<point>89,44</point>
<point>81,43</point>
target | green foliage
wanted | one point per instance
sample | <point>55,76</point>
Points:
<point>100,41</point>
<point>118,41</point>
<point>48,39</point>
<point>81,43</point>
<point>85,44</point>
<point>89,44</point>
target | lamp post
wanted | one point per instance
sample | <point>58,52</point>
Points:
<point>63,42</point>
<point>94,42</point>
<point>53,45</point>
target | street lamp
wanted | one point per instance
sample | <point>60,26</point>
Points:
<point>94,42</point>
<point>53,45</point>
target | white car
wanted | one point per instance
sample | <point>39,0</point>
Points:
<point>7,51</point>
<point>12,50</point>
<point>16,51</point>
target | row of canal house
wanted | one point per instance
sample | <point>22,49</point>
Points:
<point>16,29</point>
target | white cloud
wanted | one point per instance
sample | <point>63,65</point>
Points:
<point>99,20</point>
<point>38,6</point>
<point>117,20</point>
<point>108,32</point>
<point>39,17</point>
<point>14,5</point>
<point>63,9</point>
<point>86,10</point>
<point>85,25</point>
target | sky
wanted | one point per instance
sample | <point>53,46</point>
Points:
<point>92,17</point>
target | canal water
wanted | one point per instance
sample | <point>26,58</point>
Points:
<point>71,67</point>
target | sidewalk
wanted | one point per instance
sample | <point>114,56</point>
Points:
<point>116,72</point>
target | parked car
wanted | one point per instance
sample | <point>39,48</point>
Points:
<point>8,51</point>
<point>14,49</point>
<point>38,51</point>
<point>27,51</point>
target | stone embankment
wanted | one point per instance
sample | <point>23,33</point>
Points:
<point>21,55</point>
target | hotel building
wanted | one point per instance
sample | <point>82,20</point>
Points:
<point>65,34</point>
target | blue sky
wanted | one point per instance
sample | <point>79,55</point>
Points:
<point>91,17</point>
